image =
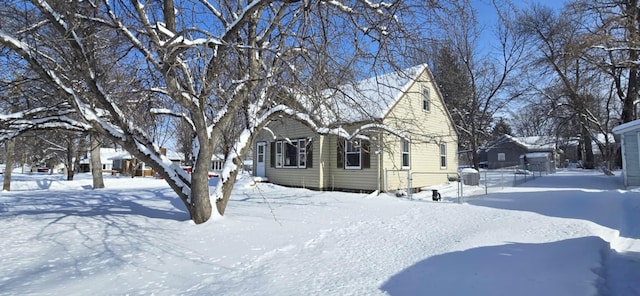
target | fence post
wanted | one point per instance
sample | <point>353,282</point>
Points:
<point>409,191</point>
<point>486,184</point>
<point>461,190</point>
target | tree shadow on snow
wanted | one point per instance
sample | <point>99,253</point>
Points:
<point>102,203</point>
<point>607,208</point>
<point>99,230</point>
<point>555,268</point>
<point>262,194</point>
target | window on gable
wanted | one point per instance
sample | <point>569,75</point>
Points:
<point>443,155</point>
<point>405,154</point>
<point>426,100</point>
<point>501,157</point>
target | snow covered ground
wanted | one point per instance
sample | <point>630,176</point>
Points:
<point>571,233</point>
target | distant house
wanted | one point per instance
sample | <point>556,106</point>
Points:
<point>573,151</point>
<point>508,151</point>
<point>124,163</point>
<point>289,153</point>
<point>105,159</point>
<point>217,164</point>
<point>630,142</point>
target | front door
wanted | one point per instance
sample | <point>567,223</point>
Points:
<point>260,159</point>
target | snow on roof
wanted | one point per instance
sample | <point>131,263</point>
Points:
<point>529,143</point>
<point>122,154</point>
<point>106,154</point>
<point>174,155</point>
<point>370,98</point>
<point>626,127</point>
<point>537,142</point>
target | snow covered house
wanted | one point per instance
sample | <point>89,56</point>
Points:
<point>630,142</point>
<point>105,159</point>
<point>125,163</point>
<point>508,151</point>
<point>289,153</point>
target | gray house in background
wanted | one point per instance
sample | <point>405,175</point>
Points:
<point>630,141</point>
<point>508,151</point>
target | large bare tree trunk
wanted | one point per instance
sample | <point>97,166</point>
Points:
<point>96,164</point>
<point>632,23</point>
<point>200,205</point>
<point>10,146</point>
<point>589,158</point>
<point>628,109</point>
<point>69,159</point>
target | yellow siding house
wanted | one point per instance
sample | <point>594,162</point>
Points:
<point>418,148</point>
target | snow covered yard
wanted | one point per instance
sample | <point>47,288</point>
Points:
<point>572,233</point>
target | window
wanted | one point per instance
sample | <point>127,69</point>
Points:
<point>443,155</point>
<point>216,164</point>
<point>291,154</point>
<point>352,155</point>
<point>501,157</point>
<point>261,153</point>
<point>426,100</point>
<point>405,154</point>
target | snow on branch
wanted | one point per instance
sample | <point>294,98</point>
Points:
<point>132,38</point>
<point>184,116</point>
<point>178,39</point>
<point>606,48</point>
<point>16,127</point>
<point>338,131</point>
<point>177,174</point>
<point>377,7</point>
<point>215,12</point>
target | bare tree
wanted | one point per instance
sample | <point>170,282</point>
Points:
<point>559,54</point>
<point>478,85</point>
<point>610,40</point>
<point>96,163</point>
<point>220,66</point>
<point>10,147</point>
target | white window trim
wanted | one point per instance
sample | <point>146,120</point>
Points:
<point>504,156</point>
<point>302,153</point>
<point>443,155</point>
<point>346,162</point>
<point>280,156</point>
<point>408,153</point>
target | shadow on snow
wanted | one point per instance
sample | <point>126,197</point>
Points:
<point>98,230</point>
<point>97,203</point>
<point>512,269</point>
<point>607,205</point>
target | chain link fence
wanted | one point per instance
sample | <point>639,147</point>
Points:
<point>470,182</point>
